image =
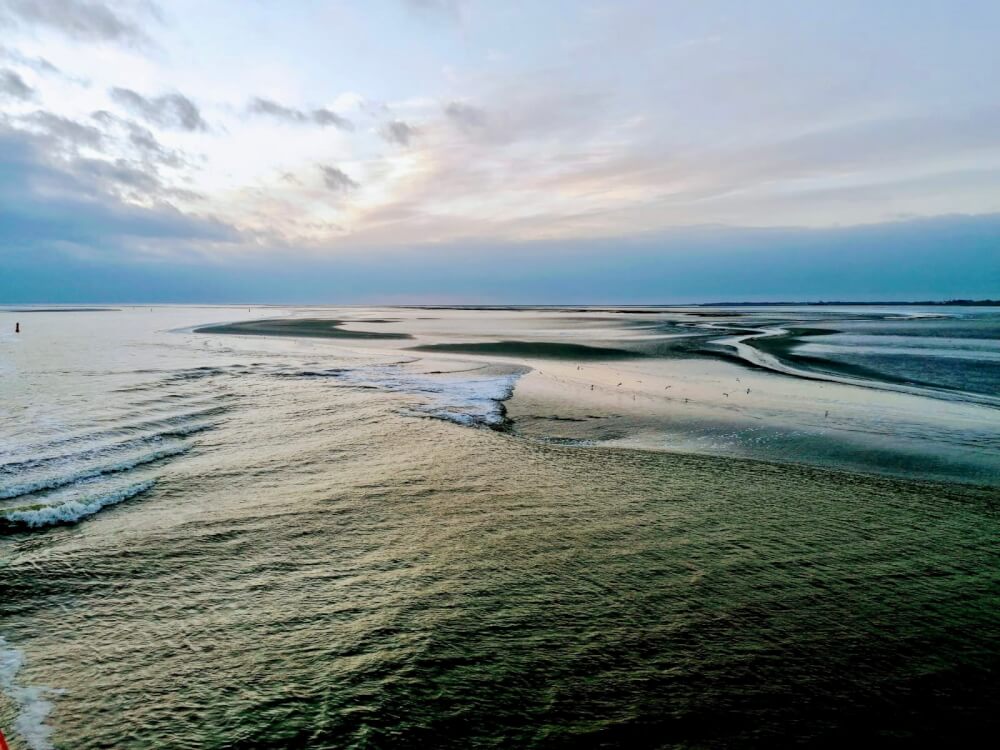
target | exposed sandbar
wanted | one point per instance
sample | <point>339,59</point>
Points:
<point>300,328</point>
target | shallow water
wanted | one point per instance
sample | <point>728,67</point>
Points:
<point>328,547</point>
<point>957,349</point>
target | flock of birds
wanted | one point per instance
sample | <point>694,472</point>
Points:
<point>826,413</point>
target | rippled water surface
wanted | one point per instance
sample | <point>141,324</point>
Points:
<point>956,349</point>
<point>283,543</point>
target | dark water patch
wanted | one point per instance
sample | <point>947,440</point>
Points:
<point>300,327</point>
<point>60,309</point>
<point>537,349</point>
<point>886,356</point>
<point>692,346</point>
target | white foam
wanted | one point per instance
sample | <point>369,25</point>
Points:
<point>33,706</point>
<point>72,510</point>
<point>78,475</point>
<point>464,400</point>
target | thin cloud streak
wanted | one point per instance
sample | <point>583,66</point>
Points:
<point>320,116</point>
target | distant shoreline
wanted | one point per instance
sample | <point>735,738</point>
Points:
<point>656,308</point>
<point>54,307</point>
<point>925,303</point>
<point>58,309</point>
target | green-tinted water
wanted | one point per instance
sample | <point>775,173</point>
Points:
<point>318,564</point>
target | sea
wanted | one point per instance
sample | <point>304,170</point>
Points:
<point>256,542</point>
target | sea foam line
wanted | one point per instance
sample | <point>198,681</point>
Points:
<point>466,401</point>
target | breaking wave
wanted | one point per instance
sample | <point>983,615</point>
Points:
<point>70,511</point>
<point>79,475</point>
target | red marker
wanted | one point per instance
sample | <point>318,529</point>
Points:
<point>3,742</point>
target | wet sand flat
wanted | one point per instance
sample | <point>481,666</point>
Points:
<point>687,381</point>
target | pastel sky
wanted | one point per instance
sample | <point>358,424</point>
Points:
<point>451,150</point>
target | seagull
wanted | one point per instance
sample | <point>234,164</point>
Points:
<point>726,395</point>
<point>748,390</point>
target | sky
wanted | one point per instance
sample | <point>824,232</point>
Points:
<point>605,151</point>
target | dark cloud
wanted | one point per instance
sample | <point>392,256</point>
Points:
<point>48,202</point>
<point>12,85</point>
<point>87,20</point>
<point>326,117</point>
<point>336,179</point>
<point>465,116</point>
<point>35,63</point>
<point>122,178</point>
<point>106,118</point>
<point>151,149</point>
<point>141,140</point>
<point>136,179</point>
<point>267,107</point>
<point>130,181</point>
<point>398,132</point>
<point>64,134</point>
<point>167,110</point>
<point>321,117</point>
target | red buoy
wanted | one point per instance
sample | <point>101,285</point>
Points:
<point>3,742</point>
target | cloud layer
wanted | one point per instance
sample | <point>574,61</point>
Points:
<point>54,200</point>
<point>236,130</point>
